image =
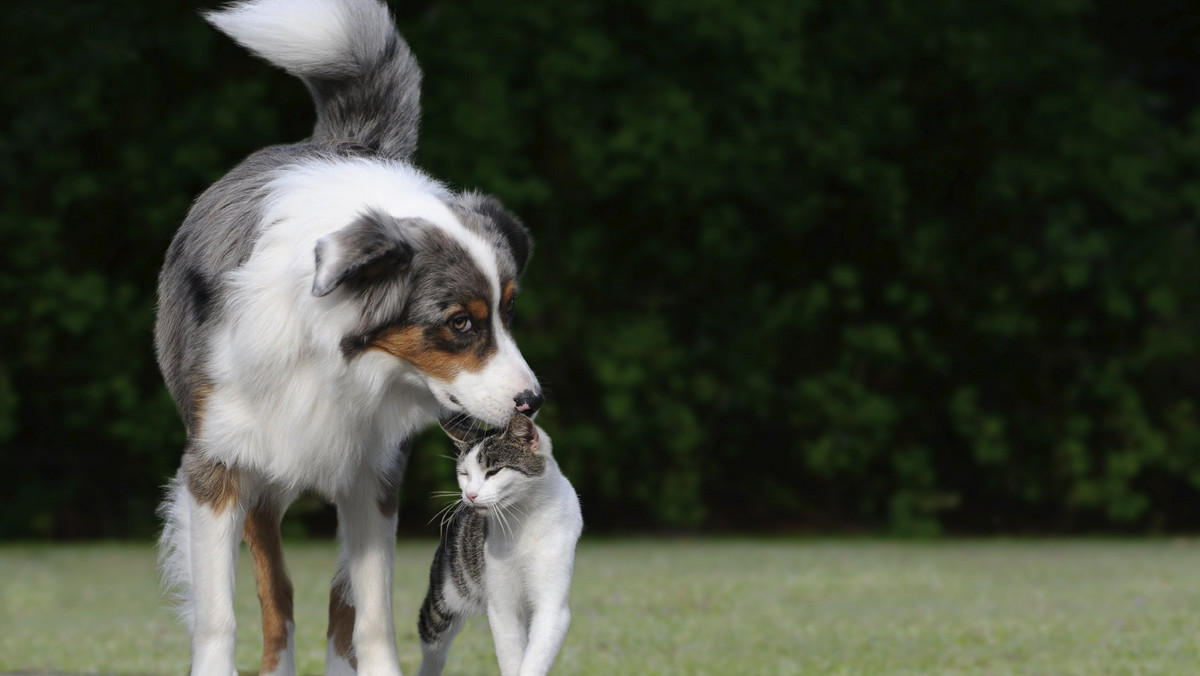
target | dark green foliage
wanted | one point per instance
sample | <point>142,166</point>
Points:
<point>910,266</point>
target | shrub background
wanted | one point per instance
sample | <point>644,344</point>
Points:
<point>896,266</point>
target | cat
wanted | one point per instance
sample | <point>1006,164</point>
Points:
<point>508,551</point>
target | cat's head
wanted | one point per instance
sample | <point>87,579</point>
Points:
<point>495,467</point>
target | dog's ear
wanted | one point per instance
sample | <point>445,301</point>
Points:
<point>465,432</point>
<point>375,244</point>
<point>509,228</point>
<point>522,430</point>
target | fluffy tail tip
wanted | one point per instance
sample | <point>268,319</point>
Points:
<point>323,38</point>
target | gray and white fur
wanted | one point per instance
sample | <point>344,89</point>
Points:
<point>322,303</point>
<point>508,551</point>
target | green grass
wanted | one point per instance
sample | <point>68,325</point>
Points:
<point>686,607</point>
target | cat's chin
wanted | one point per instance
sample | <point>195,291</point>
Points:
<point>482,510</point>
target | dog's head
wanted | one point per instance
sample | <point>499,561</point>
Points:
<point>436,292</point>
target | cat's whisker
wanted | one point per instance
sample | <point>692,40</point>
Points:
<point>444,513</point>
<point>449,515</point>
<point>439,516</point>
<point>449,502</point>
<point>502,510</point>
<point>507,523</point>
<point>513,506</point>
<point>495,516</point>
<point>499,519</point>
<point>509,508</point>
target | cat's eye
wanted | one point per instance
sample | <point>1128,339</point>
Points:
<point>460,323</point>
<point>492,472</point>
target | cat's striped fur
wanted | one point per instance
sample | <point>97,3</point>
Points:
<point>508,551</point>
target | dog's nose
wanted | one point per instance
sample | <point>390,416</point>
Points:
<point>528,402</point>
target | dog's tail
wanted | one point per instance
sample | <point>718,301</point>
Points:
<point>362,76</point>
<point>175,550</point>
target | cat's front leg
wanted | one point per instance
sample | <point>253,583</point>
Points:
<point>549,583</point>
<point>547,630</point>
<point>507,623</point>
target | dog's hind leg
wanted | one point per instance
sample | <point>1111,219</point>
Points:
<point>214,499</point>
<point>261,533</point>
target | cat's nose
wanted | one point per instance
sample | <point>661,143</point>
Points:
<point>472,496</point>
<point>528,402</point>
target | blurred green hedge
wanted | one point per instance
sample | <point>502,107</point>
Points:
<point>903,266</point>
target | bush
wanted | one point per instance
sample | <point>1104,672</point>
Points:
<point>917,267</point>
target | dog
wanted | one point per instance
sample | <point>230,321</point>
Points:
<point>320,304</point>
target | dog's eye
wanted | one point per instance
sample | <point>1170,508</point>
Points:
<point>461,323</point>
<point>510,306</point>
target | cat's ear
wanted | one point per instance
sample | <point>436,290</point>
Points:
<point>465,432</point>
<point>522,430</point>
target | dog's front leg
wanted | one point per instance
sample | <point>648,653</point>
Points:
<point>361,601</point>
<point>216,513</point>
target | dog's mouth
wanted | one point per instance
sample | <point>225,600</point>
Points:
<point>461,420</point>
<point>454,413</point>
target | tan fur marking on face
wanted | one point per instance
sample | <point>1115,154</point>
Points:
<point>341,624</point>
<point>211,483</point>
<point>477,309</point>
<point>510,290</point>
<point>261,532</point>
<point>411,344</point>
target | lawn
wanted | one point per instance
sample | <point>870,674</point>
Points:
<point>686,607</point>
